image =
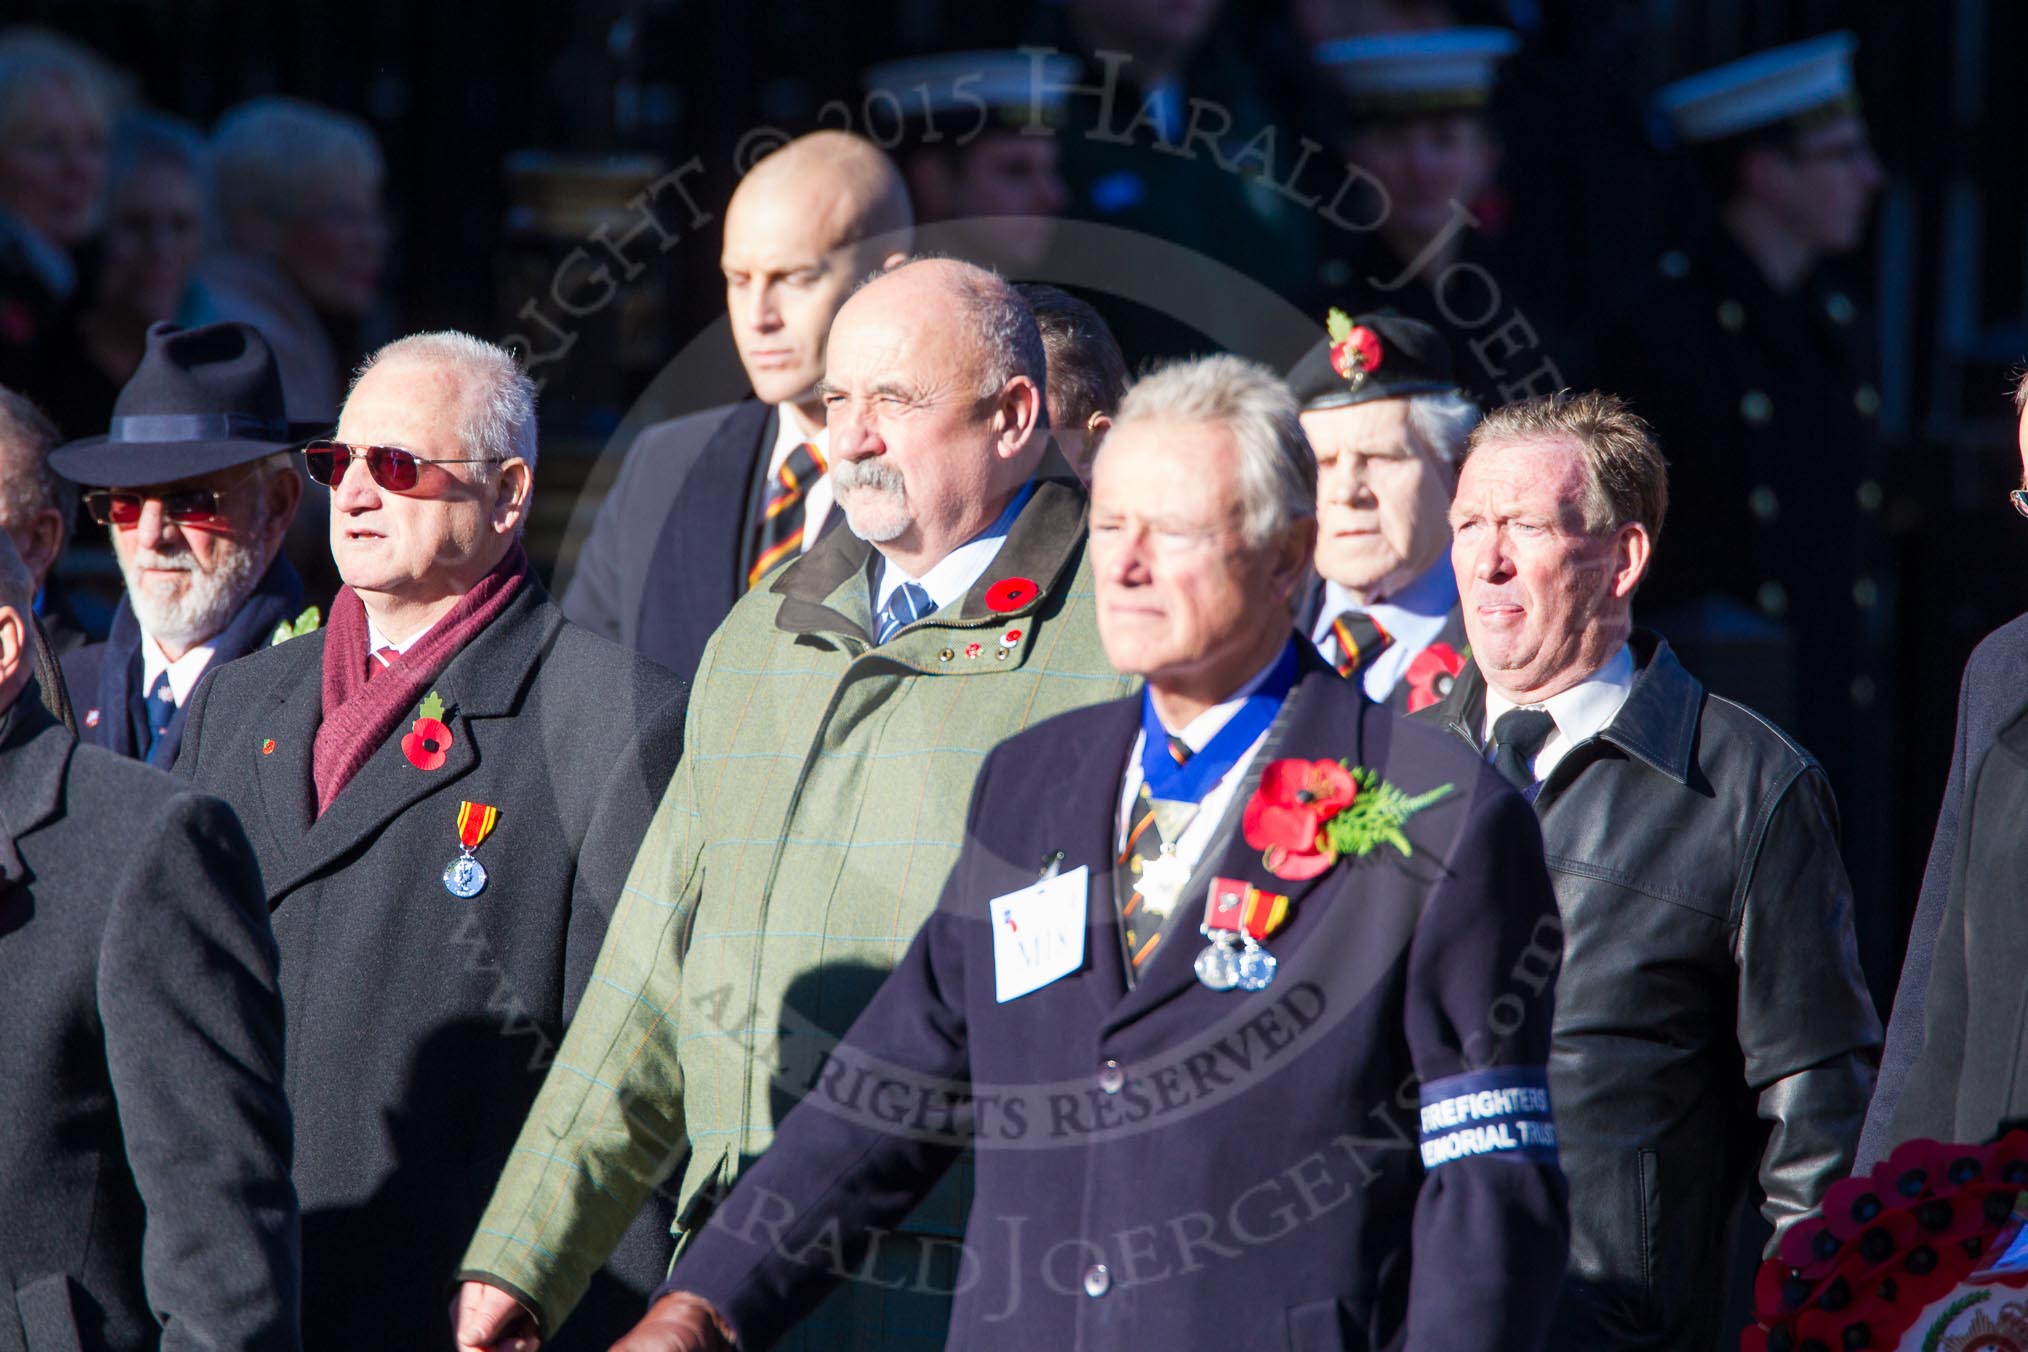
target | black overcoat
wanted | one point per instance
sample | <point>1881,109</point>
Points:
<point>144,1138</point>
<point>420,1024</point>
<point>1176,1167</point>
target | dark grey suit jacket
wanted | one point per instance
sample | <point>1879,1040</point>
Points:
<point>420,1024</point>
<point>696,479</point>
<point>144,1139</point>
<point>1995,688</point>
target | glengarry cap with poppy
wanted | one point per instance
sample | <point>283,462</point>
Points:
<point>1376,356</point>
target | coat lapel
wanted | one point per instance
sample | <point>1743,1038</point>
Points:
<point>288,717</point>
<point>481,684</point>
<point>1309,727</point>
<point>34,755</point>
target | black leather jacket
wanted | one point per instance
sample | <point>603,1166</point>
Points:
<point>1709,979</point>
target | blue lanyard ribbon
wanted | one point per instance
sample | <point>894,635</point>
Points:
<point>1190,781</point>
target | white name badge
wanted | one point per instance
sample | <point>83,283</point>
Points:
<point>1038,934</point>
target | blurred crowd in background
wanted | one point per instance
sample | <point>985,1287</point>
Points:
<point>1209,175</point>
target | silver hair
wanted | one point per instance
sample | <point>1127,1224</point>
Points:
<point>271,156</point>
<point>1443,423</point>
<point>500,410</point>
<point>27,484</point>
<point>1277,468</point>
<point>30,56</point>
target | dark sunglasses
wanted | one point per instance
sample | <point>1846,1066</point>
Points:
<point>392,468</point>
<point>186,507</point>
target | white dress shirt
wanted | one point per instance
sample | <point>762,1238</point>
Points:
<point>953,575</point>
<point>1196,734</point>
<point>818,496</point>
<point>184,672</point>
<point>1413,617</point>
<point>375,640</point>
<point>1581,712</point>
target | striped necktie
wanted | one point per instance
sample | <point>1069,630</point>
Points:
<point>1141,916</point>
<point>1361,640</point>
<point>381,659</point>
<point>778,535</point>
<point>909,603</point>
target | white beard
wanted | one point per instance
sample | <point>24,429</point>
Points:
<point>208,600</point>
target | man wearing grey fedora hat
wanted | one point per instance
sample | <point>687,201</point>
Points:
<point>193,482</point>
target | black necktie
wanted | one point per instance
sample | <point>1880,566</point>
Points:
<point>1518,735</point>
<point>1361,640</point>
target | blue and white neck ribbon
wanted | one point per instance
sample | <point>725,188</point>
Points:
<point>1190,781</point>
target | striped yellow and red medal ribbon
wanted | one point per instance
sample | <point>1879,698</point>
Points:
<point>475,823</point>
<point>1241,908</point>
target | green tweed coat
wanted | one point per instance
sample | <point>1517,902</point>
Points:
<point>805,836</point>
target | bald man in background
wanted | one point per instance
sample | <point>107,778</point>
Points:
<point>707,504</point>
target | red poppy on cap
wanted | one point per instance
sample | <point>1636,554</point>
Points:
<point>1011,593</point>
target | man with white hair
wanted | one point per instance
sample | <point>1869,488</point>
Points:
<point>835,728</point>
<point>1388,424</point>
<point>192,480</point>
<point>1185,1144</point>
<point>444,787</point>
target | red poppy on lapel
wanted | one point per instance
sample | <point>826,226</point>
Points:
<point>1431,675</point>
<point>1285,817</point>
<point>426,744</point>
<point>1011,593</point>
<point>268,747</point>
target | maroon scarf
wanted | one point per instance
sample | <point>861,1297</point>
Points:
<point>358,716</point>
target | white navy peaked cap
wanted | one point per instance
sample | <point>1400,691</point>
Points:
<point>1763,89</point>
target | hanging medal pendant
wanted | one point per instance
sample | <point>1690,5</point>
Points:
<point>1218,965</point>
<point>1162,880</point>
<point>1256,967</point>
<point>465,877</point>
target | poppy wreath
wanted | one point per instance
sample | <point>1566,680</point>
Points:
<point>1903,1257</point>
<point>1432,674</point>
<point>1306,814</point>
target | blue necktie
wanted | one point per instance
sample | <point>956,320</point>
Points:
<point>909,603</point>
<point>161,709</point>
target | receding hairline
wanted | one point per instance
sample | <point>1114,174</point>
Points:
<point>839,173</point>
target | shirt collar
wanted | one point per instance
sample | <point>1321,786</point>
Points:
<point>788,436</point>
<point>375,640</point>
<point>183,672</point>
<point>1584,709</point>
<point>953,575</point>
<point>1427,600</point>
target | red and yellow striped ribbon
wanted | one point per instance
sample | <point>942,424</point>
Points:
<point>475,823</point>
